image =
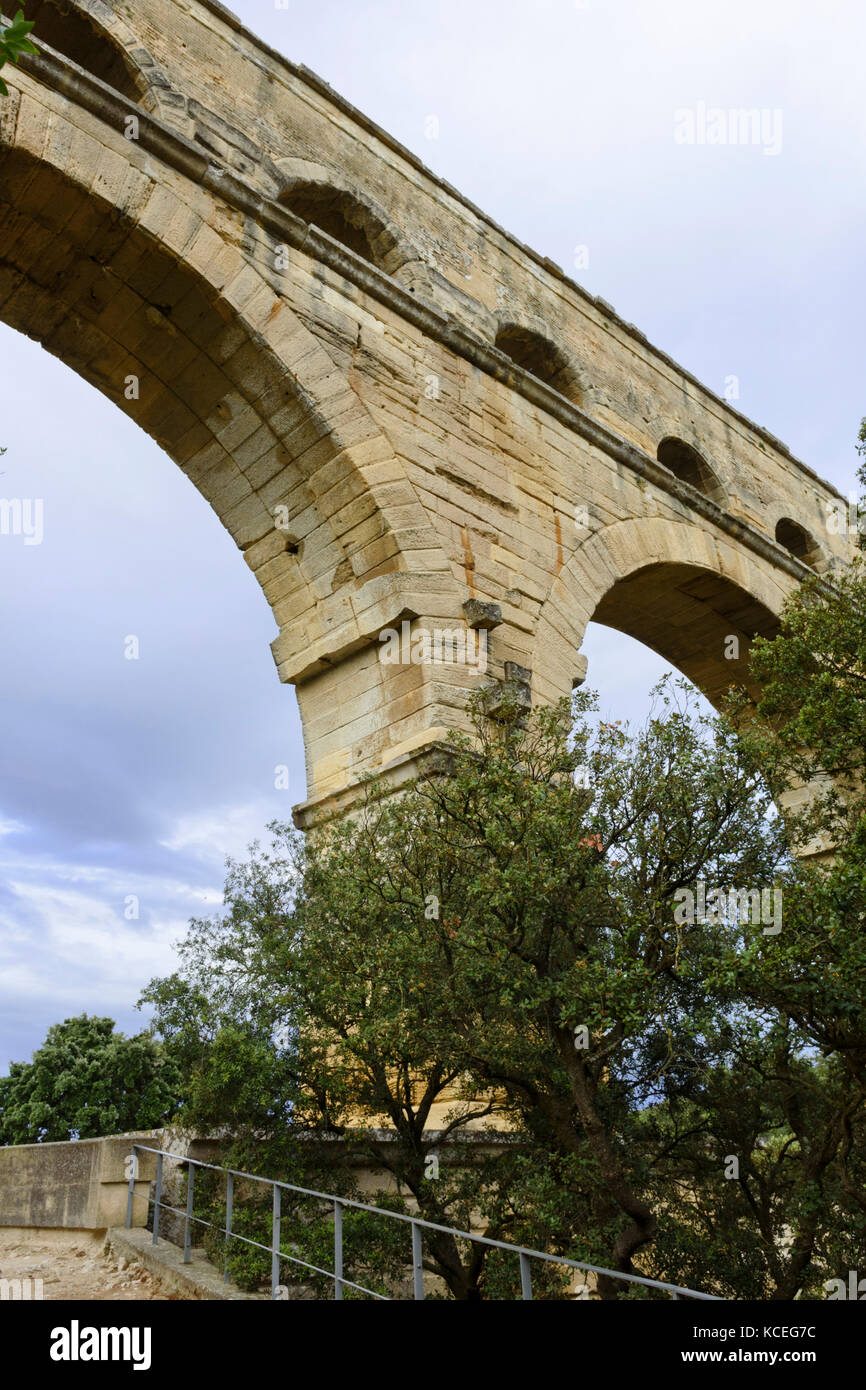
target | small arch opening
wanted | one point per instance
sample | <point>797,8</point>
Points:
<point>63,26</point>
<point>687,464</point>
<point>796,539</point>
<point>542,358</point>
<point>344,218</point>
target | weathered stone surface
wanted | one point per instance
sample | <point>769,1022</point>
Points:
<point>518,675</point>
<point>81,1184</point>
<point>343,355</point>
<point>200,1279</point>
<point>482,615</point>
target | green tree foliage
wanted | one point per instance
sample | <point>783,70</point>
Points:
<point>504,945</point>
<point>813,674</point>
<point>810,729</point>
<point>86,1080</point>
<point>13,42</point>
<point>813,706</point>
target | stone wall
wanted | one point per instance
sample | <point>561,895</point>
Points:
<point>81,1184</point>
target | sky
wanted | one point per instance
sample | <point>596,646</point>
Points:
<point>124,783</point>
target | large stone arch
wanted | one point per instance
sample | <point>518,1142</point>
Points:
<point>143,282</point>
<point>418,474</point>
<point>680,588</point>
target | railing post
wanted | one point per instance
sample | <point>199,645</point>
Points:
<point>338,1250</point>
<point>133,1167</point>
<point>525,1276</point>
<point>157,1199</point>
<point>417,1267</point>
<point>187,1225</point>
<point>275,1244</point>
<point>230,1200</point>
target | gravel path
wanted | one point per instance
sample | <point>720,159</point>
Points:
<point>72,1264</point>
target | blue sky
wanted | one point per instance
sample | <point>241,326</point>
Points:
<point>122,779</point>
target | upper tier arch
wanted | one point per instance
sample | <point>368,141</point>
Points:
<point>104,44</point>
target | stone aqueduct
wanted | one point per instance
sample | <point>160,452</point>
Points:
<point>392,405</point>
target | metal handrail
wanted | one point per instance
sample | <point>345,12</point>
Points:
<point>524,1253</point>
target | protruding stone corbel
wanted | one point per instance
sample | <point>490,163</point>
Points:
<point>479,614</point>
<point>514,691</point>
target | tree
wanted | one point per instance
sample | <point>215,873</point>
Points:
<point>14,42</point>
<point>813,705</point>
<point>85,1081</point>
<point>499,945</point>
<point>810,728</point>
<point>813,673</point>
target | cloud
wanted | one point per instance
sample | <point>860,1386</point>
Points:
<point>67,946</point>
<point>77,946</point>
<point>217,834</point>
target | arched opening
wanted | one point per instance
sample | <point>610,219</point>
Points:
<point>796,539</point>
<point>698,621</point>
<point>73,33</point>
<point>687,464</point>
<point>345,218</point>
<point>623,671</point>
<point>149,329</point>
<point>696,599</point>
<point>542,358</point>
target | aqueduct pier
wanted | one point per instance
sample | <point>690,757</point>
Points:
<point>398,411</point>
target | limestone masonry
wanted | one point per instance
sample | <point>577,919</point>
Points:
<point>399,412</point>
